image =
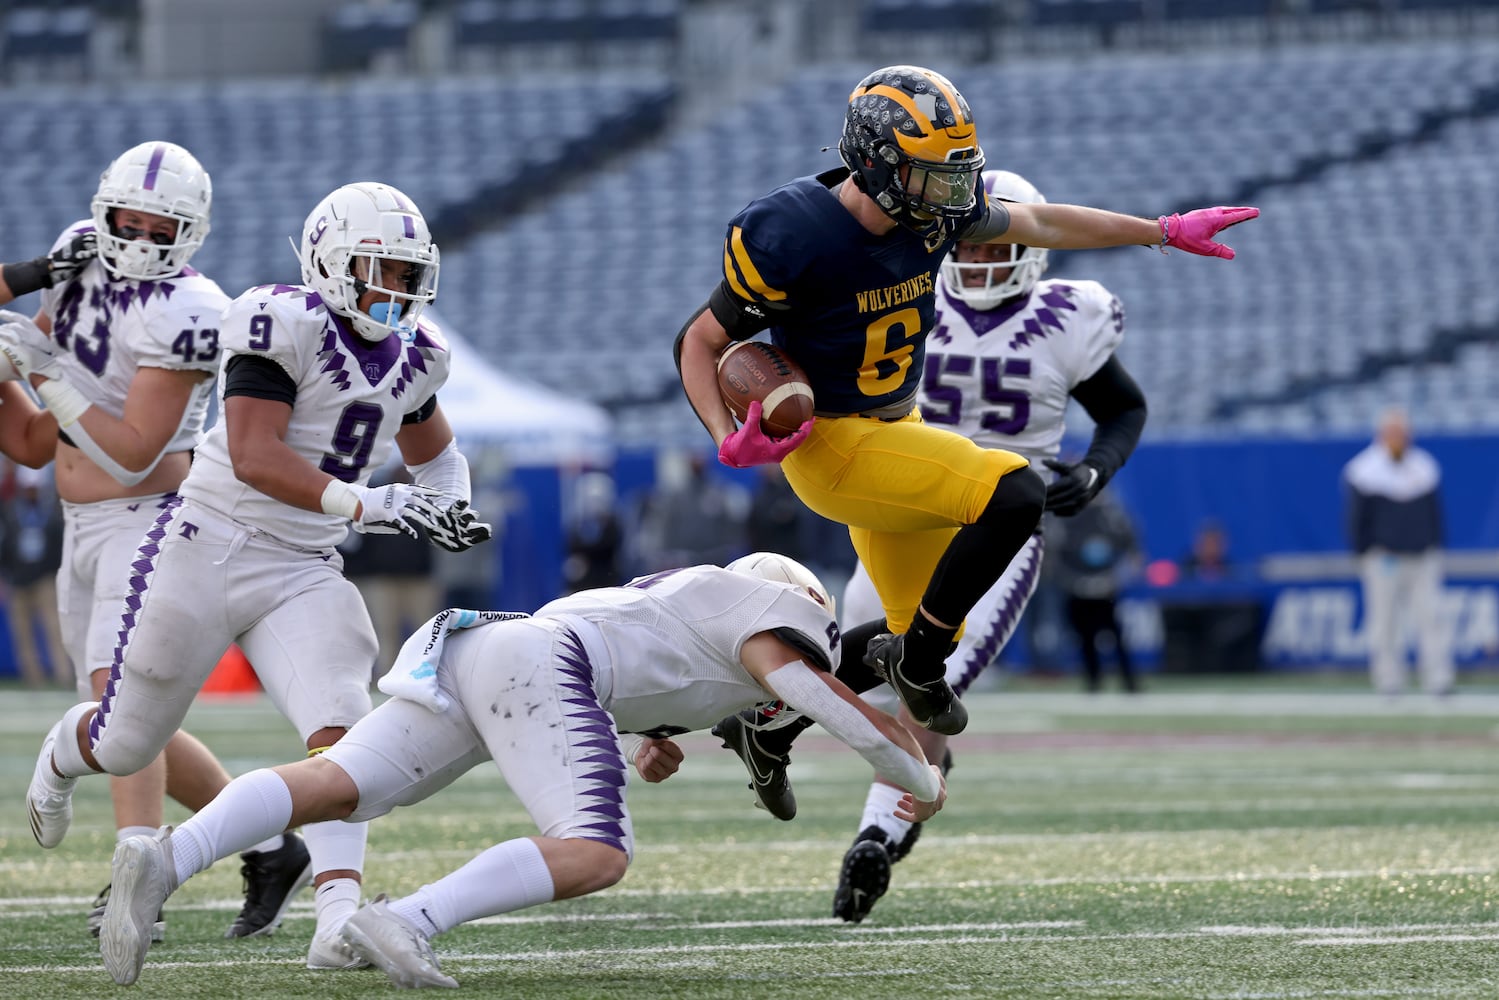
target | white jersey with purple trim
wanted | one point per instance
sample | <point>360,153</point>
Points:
<point>351,398</point>
<point>1002,377</point>
<point>665,648</point>
<point>106,328</point>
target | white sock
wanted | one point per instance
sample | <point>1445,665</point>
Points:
<point>334,902</point>
<point>273,844</point>
<point>124,833</point>
<point>250,809</point>
<point>508,876</point>
<point>879,810</point>
<point>336,846</point>
<point>67,758</point>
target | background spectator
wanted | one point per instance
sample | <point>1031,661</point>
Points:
<point>30,554</point>
<point>593,535</point>
<point>1395,527</point>
<point>1096,549</point>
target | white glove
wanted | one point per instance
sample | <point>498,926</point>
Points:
<point>457,526</point>
<point>399,507</point>
<point>25,348</point>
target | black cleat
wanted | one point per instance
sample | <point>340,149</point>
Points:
<point>96,917</point>
<point>932,704</point>
<point>768,778</point>
<point>272,878</point>
<point>864,877</point>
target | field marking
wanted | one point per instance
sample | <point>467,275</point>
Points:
<point>6,904</point>
<point>864,938</point>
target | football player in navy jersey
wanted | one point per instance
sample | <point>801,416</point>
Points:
<point>841,268</point>
<point>1007,353</point>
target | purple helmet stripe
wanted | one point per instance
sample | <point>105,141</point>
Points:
<point>410,228</point>
<point>154,166</point>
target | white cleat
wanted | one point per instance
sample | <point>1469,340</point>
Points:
<point>398,948</point>
<point>143,877</point>
<point>331,951</point>
<point>49,799</point>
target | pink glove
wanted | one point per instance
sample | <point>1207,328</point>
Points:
<point>749,446</point>
<point>1194,231</point>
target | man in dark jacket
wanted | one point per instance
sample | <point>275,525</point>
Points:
<point>1395,525</point>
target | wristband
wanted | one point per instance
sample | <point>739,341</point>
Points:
<point>27,277</point>
<point>63,401</point>
<point>340,500</point>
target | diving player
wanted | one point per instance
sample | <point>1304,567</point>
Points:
<point>544,698</point>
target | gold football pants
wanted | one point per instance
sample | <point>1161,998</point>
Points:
<point>903,488</point>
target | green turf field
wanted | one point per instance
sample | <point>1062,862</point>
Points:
<point>1204,840</point>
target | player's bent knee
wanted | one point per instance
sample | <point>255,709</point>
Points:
<point>1019,496</point>
<point>593,865</point>
<point>126,754</point>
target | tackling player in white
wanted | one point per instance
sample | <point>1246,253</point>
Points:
<point>123,351</point>
<point>318,381</point>
<point>544,697</point>
<point>1007,352</point>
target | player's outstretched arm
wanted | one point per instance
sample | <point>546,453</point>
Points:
<point>1076,227</point>
<point>878,737</point>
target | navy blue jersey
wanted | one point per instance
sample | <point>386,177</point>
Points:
<point>851,307</point>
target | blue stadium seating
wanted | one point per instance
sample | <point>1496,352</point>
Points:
<point>1368,279</point>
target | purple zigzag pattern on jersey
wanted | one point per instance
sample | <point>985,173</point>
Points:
<point>414,360</point>
<point>997,631</point>
<point>333,358</point>
<point>980,321</point>
<point>140,581</point>
<point>591,737</point>
<point>1045,321</point>
<point>120,294</point>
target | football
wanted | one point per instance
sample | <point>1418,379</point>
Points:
<point>754,370</point>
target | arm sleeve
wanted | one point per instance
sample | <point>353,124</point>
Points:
<point>422,413</point>
<point>254,375</point>
<point>446,473</point>
<point>797,684</point>
<point>992,222</point>
<point>1114,400</point>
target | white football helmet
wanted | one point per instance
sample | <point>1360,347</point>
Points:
<point>783,569</point>
<point>163,179</point>
<point>1025,268</point>
<point>370,236</point>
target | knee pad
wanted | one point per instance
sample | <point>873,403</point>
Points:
<point>1019,497</point>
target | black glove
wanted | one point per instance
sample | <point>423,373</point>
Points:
<point>458,528</point>
<point>64,262</point>
<point>49,269</point>
<point>1073,488</point>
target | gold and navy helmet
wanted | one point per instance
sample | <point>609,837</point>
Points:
<point>910,143</point>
